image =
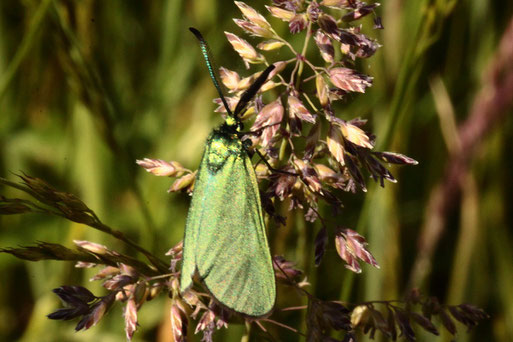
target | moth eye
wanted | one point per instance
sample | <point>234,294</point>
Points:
<point>247,143</point>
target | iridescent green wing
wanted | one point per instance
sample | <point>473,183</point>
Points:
<point>225,234</point>
<point>192,225</point>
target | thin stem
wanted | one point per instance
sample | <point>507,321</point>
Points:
<point>310,102</point>
<point>313,67</point>
<point>323,221</point>
<point>309,78</point>
<point>303,53</point>
<point>293,73</point>
<point>284,326</point>
<point>293,308</point>
<point>288,45</point>
<point>265,331</point>
<point>291,281</point>
<point>162,276</point>
<point>292,150</point>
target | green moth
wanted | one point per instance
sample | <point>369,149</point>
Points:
<point>225,242</point>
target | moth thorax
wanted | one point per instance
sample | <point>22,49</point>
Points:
<point>220,147</point>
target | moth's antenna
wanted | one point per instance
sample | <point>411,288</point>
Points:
<point>210,61</point>
<point>252,90</point>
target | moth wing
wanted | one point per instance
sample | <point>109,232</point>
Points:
<point>231,250</point>
<point>192,227</point>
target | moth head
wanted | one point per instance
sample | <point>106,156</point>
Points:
<point>234,124</point>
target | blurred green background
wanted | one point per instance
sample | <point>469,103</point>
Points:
<point>87,87</point>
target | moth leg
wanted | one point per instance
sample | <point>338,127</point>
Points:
<point>247,143</point>
<point>272,169</point>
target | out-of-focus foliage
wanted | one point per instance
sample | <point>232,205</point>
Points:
<point>87,87</point>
